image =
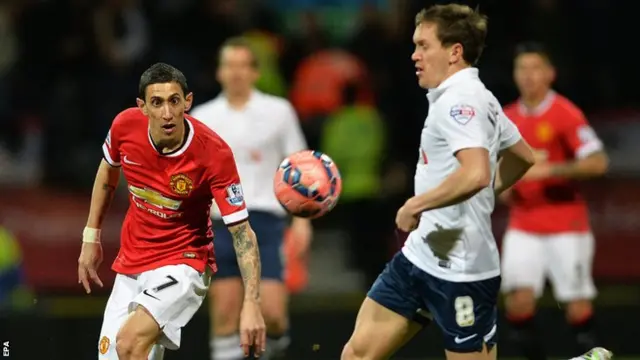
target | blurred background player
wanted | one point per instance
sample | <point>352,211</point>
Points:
<point>174,166</point>
<point>261,130</point>
<point>449,268</point>
<point>548,235</point>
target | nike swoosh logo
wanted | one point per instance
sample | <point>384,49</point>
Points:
<point>460,341</point>
<point>127,161</point>
<point>146,292</point>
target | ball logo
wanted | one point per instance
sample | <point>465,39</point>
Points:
<point>103,346</point>
<point>181,184</point>
<point>235,196</point>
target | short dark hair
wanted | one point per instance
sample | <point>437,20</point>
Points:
<point>458,24</point>
<point>532,47</point>
<point>239,42</point>
<point>160,73</point>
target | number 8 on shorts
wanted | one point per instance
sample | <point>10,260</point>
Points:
<point>465,316</point>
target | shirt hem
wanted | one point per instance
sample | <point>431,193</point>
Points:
<point>198,265</point>
<point>454,277</point>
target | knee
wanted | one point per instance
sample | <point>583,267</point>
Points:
<point>579,311</point>
<point>225,320</point>
<point>521,302</point>
<point>130,345</point>
<point>276,320</point>
<point>225,317</point>
<point>225,304</point>
<point>352,351</point>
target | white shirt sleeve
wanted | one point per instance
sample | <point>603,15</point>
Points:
<point>292,137</point>
<point>509,133</point>
<point>464,123</point>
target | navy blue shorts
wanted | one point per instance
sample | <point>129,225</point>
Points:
<point>466,312</point>
<point>269,229</point>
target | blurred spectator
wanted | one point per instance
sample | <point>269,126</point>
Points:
<point>318,85</point>
<point>267,45</point>
<point>14,294</point>
<point>121,33</point>
<point>310,38</point>
<point>354,137</point>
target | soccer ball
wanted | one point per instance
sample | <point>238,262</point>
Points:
<point>307,184</point>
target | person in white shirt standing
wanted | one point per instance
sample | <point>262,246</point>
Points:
<point>449,267</point>
<point>261,130</point>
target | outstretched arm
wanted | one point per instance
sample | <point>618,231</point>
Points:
<point>246,246</point>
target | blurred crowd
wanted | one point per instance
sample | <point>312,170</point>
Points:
<point>68,66</point>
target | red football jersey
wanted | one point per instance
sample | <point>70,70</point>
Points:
<point>560,130</point>
<point>170,194</point>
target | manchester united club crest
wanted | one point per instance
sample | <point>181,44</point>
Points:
<point>181,184</point>
<point>103,346</point>
<point>544,132</point>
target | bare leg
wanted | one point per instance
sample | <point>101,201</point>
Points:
<point>378,334</point>
<point>137,336</point>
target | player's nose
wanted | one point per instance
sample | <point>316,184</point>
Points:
<point>166,113</point>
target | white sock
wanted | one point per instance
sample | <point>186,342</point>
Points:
<point>226,348</point>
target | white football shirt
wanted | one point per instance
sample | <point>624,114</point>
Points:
<point>456,243</point>
<point>260,135</point>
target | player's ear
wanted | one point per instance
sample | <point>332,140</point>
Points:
<point>188,101</point>
<point>455,53</point>
<point>141,106</point>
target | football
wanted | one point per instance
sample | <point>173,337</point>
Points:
<point>307,184</point>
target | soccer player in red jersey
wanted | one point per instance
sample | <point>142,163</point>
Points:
<point>548,233</point>
<point>174,166</point>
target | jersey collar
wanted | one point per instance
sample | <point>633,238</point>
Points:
<point>255,94</point>
<point>459,76</point>
<point>185,145</point>
<point>541,108</point>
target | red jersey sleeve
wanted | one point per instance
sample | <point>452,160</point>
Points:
<point>579,136</point>
<point>225,186</point>
<point>111,146</point>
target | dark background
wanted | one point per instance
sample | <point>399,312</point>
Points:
<point>68,66</point>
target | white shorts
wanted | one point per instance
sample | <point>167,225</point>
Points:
<point>565,258</point>
<point>171,294</point>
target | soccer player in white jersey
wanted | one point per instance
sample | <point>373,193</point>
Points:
<point>449,269</point>
<point>261,130</point>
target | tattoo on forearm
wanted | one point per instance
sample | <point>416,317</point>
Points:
<point>248,256</point>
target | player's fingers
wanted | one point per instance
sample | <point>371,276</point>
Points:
<point>245,342</point>
<point>82,274</point>
<point>261,342</point>
<point>93,274</point>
